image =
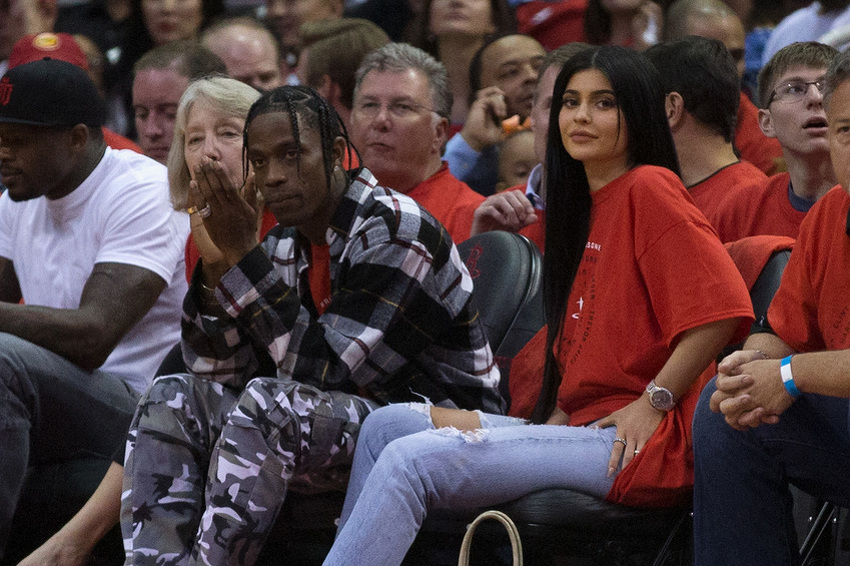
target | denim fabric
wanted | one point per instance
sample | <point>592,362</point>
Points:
<point>52,411</point>
<point>400,474</point>
<point>742,505</point>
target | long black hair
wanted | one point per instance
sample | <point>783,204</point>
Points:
<point>640,97</point>
<point>314,111</point>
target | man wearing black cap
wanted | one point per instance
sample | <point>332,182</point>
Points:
<point>89,241</point>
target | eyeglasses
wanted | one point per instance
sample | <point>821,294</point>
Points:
<point>795,91</point>
<point>399,109</point>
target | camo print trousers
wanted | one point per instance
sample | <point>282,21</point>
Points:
<point>207,468</point>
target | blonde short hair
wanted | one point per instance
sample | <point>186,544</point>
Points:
<point>230,97</point>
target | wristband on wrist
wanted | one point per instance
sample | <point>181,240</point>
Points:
<point>788,377</point>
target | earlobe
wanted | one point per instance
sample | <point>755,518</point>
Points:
<point>441,131</point>
<point>79,136</point>
<point>766,123</point>
<point>674,107</point>
<point>339,151</point>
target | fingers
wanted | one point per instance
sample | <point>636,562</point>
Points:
<point>509,210</point>
<point>617,450</point>
<point>730,384</point>
<point>731,363</point>
<point>215,184</point>
<point>624,450</point>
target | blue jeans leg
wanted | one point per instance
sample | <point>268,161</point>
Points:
<point>742,505</point>
<point>52,411</point>
<point>446,469</point>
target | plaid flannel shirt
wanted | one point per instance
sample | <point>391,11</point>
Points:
<point>400,325</point>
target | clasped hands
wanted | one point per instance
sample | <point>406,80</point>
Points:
<point>227,231</point>
<point>750,391</point>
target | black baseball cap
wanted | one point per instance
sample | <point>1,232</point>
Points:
<point>50,93</point>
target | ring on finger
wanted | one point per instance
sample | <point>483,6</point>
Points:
<point>637,452</point>
<point>205,212</point>
<point>623,440</point>
<point>192,210</point>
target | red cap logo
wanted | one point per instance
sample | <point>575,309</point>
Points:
<point>5,91</point>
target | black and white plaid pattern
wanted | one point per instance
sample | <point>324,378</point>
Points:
<point>400,325</point>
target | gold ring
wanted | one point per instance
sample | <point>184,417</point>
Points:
<point>192,209</point>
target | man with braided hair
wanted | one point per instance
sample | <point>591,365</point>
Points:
<point>359,297</point>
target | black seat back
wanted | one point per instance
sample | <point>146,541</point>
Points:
<point>506,269</point>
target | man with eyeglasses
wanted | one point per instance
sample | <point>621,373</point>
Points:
<point>399,123</point>
<point>792,376</point>
<point>716,20</point>
<point>791,86</point>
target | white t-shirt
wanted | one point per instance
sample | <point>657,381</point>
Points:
<point>805,24</point>
<point>120,214</point>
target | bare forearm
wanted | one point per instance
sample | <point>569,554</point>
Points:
<point>824,373</point>
<point>696,349</point>
<point>101,512</point>
<point>73,543</point>
<point>769,344</point>
<point>72,334</point>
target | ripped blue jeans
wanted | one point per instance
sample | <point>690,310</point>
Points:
<point>404,467</point>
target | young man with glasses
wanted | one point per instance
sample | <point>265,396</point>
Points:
<point>791,86</point>
<point>399,123</point>
<point>793,376</point>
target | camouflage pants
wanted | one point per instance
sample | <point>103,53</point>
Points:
<point>207,468</point>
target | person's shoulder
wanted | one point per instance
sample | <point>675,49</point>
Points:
<point>830,208</point>
<point>660,179</point>
<point>130,181</point>
<point>386,213</point>
<point>130,165</point>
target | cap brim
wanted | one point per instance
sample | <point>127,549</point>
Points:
<point>8,120</point>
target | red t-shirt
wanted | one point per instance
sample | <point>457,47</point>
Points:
<point>117,141</point>
<point>737,177</point>
<point>809,311</point>
<point>652,269</point>
<point>552,23</point>
<point>755,147</point>
<point>193,255</point>
<point>763,210</point>
<point>449,200</point>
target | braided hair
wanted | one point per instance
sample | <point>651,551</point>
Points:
<point>315,112</point>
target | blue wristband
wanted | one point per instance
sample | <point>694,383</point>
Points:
<point>788,377</point>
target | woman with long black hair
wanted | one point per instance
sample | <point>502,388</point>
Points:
<point>640,297</point>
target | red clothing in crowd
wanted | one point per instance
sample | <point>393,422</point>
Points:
<point>449,200</point>
<point>765,210</point>
<point>760,150</point>
<point>552,23</point>
<point>709,193</point>
<point>117,141</point>
<point>809,311</point>
<point>652,269</point>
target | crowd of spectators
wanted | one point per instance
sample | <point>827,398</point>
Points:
<point>275,188</point>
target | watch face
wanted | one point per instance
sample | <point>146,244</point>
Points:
<point>661,399</point>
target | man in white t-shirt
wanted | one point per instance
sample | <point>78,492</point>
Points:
<point>89,241</point>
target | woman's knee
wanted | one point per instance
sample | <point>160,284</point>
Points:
<point>388,423</point>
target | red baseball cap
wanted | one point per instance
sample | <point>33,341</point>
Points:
<point>59,46</point>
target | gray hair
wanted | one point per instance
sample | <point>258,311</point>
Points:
<point>230,97</point>
<point>837,74</point>
<point>398,57</point>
